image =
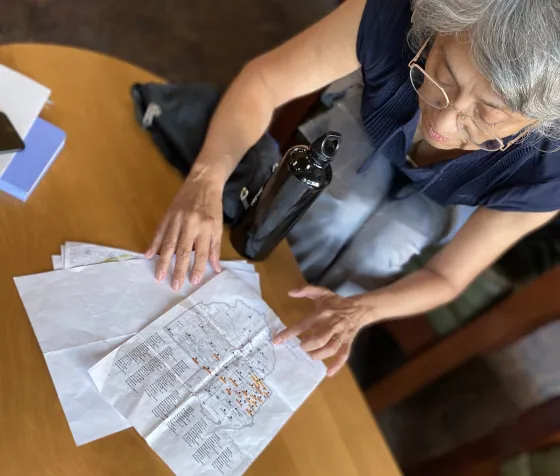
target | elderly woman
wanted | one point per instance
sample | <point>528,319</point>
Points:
<point>461,103</point>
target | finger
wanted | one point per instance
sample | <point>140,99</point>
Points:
<point>294,330</point>
<point>202,252</point>
<point>168,246</point>
<point>311,292</point>
<point>339,359</point>
<point>182,262</point>
<point>158,238</point>
<point>328,350</point>
<point>319,338</point>
<point>215,248</point>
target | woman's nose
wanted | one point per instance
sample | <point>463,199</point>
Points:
<point>445,120</point>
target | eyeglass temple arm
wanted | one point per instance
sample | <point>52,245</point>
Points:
<point>519,136</point>
<point>415,59</point>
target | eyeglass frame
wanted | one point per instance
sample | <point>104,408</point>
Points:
<point>413,63</point>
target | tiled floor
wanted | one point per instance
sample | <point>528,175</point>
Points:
<point>181,40</point>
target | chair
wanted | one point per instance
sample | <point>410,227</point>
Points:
<point>502,349</point>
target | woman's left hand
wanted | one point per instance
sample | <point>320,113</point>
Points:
<point>331,329</point>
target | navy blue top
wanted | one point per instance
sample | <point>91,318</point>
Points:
<point>521,178</point>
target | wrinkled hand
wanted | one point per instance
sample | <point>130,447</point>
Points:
<point>331,329</point>
<point>193,221</point>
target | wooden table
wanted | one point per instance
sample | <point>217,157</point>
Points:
<point>110,186</point>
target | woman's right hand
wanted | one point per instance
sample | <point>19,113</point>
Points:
<point>192,222</point>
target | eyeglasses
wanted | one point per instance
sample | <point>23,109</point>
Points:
<point>433,94</point>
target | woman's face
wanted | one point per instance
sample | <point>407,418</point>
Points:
<point>449,64</point>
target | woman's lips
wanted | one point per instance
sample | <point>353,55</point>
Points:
<point>434,134</point>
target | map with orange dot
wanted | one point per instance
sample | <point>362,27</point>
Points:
<point>230,365</point>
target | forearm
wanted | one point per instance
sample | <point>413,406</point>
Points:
<point>240,120</point>
<point>416,293</point>
<point>316,57</point>
<point>485,236</point>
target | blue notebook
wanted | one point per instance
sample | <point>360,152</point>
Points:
<point>42,144</point>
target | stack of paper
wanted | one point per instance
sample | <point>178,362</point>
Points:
<point>195,371</point>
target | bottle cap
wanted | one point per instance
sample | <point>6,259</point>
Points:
<point>324,148</point>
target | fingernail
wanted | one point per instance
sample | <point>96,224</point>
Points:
<point>333,371</point>
<point>159,275</point>
<point>276,340</point>
<point>175,285</point>
<point>195,280</point>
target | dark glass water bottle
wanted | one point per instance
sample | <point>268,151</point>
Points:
<point>301,176</point>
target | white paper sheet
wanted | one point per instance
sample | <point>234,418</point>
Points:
<point>22,100</point>
<point>204,384</point>
<point>85,254</point>
<point>57,262</point>
<point>81,314</point>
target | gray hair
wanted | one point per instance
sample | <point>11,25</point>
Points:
<point>514,43</point>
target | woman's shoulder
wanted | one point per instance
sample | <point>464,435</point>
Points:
<point>382,33</point>
<point>535,184</point>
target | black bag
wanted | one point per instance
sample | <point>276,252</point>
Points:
<point>178,117</point>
